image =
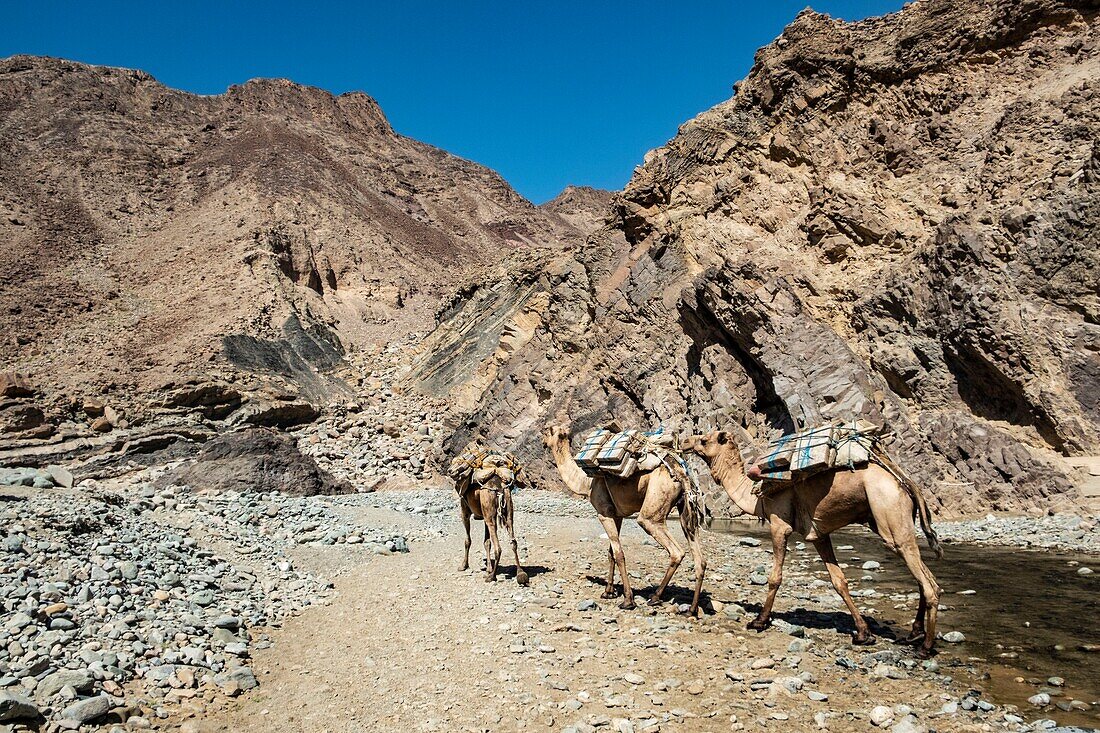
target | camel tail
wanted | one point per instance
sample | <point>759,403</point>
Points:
<point>922,512</point>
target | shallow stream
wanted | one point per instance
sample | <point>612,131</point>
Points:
<point>1025,614</point>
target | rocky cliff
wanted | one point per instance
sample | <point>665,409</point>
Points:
<point>214,257</point>
<point>895,218</point>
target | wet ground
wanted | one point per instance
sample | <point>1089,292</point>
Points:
<point>1027,615</point>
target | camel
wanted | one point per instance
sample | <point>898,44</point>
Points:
<point>487,495</point>
<point>823,503</point>
<point>649,494</point>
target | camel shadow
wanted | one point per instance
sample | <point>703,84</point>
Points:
<point>838,621</point>
<point>673,593</point>
<point>509,570</point>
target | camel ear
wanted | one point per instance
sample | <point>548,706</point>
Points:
<point>723,437</point>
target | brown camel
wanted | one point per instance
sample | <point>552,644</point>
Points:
<point>490,499</point>
<point>823,503</point>
<point>649,494</point>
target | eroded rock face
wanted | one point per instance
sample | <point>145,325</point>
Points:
<point>894,218</point>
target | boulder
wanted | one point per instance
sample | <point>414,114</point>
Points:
<point>276,414</point>
<point>236,680</point>
<point>14,384</point>
<point>93,407</point>
<point>215,400</point>
<point>18,417</point>
<point>78,679</point>
<point>88,709</point>
<point>60,475</point>
<point>16,707</point>
<point>256,459</point>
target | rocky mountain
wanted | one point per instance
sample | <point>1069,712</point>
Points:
<point>215,257</point>
<point>584,207</point>
<point>895,218</point>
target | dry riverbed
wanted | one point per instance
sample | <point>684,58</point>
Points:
<point>142,608</point>
<point>409,642</point>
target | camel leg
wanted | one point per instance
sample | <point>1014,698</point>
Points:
<point>658,530</point>
<point>917,632</point>
<point>893,512</point>
<point>488,552</point>
<point>692,534</point>
<point>510,528</point>
<point>929,606</point>
<point>780,531</point>
<point>464,513</point>
<point>824,547</point>
<point>491,525</point>
<point>611,526</point>
<point>609,591</point>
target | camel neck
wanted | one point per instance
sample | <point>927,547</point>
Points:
<point>729,471</point>
<point>576,480</point>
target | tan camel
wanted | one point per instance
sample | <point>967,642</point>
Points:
<point>823,503</point>
<point>649,494</point>
<point>490,500</point>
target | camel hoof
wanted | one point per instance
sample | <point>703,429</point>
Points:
<point>627,605</point>
<point>521,578</point>
<point>925,653</point>
<point>864,640</point>
<point>914,638</point>
<point>490,578</point>
<point>610,594</point>
<point>655,601</point>
<point>758,624</point>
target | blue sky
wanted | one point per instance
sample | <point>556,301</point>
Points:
<point>548,94</point>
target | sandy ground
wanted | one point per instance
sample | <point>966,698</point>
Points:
<point>409,642</point>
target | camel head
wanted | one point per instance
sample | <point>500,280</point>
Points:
<point>554,434</point>
<point>710,445</point>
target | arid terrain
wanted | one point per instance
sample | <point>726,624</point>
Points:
<point>246,333</point>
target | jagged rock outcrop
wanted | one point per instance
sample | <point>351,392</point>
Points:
<point>895,218</point>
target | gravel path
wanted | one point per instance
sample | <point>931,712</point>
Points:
<point>410,643</point>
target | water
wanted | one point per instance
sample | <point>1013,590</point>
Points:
<point>1029,617</point>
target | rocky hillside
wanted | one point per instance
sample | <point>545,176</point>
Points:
<point>584,207</point>
<point>895,218</point>
<point>215,257</point>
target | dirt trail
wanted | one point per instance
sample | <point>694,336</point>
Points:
<point>409,642</point>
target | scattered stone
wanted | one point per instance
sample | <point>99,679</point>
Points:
<point>235,681</point>
<point>908,724</point>
<point>881,715</point>
<point>80,680</point>
<point>16,707</point>
<point>954,637</point>
<point>88,709</point>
